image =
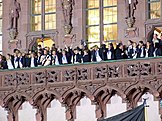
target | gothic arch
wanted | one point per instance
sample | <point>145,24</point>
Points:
<point>8,97</point>
<point>77,90</point>
<point>38,94</point>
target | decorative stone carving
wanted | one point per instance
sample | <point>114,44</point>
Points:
<point>70,75</point>
<point>13,18</point>
<point>22,79</point>
<point>130,6</point>
<point>129,79</point>
<point>40,77</point>
<point>53,76</point>
<point>9,80</point>
<point>159,68</point>
<point>114,71</point>
<point>13,105</point>
<point>100,72</point>
<point>67,8</point>
<point>83,74</point>
<point>143,69</point>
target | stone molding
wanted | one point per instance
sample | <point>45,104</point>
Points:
<point>130,79</point>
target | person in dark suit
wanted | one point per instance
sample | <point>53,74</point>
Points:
<point>157,50</point>
<point>110,52</point>
<point>130,49</point>
<point>39,56</point>
<point>69,54</point>
<point>141,52</point>
<point>149,49</point>
<point>103,52</point>
<point>96,54</point>
<point>76,58</point>
<point>119,52</point>
<point>86,57</point>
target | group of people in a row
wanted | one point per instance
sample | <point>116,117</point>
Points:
<point>56,56</point>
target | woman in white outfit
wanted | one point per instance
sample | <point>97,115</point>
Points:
<point>9,62</point>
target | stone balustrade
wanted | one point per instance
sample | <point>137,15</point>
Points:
<point>69,83</point>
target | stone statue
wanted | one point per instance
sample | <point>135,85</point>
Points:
<point>67,8</point>
<point>130,6</point>
<point>14,14</point>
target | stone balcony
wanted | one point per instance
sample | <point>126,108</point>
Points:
<point>130,79</point>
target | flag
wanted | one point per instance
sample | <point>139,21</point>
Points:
<point>136,114</point>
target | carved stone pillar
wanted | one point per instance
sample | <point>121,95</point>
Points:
<point>12,106</point>
<point>41,103</point>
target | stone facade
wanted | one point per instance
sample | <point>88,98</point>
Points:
<point>26,37</point>
<point>69,84</point>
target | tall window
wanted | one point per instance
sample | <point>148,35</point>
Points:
<point>43,15</point>
<point>101,22</point>
<point>154,9</point>
<point>1,9</point>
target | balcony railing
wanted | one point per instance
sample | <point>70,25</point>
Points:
<point>128,78</point>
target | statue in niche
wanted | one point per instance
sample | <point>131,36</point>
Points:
<point>130,8</point>
<point>14,14</point>
<point>67,8</point>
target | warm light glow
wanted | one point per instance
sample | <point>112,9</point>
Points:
<point>154,7</point>
<point>93,17</point>
<point>47,42</point>
<point>109,21</point>
<point>109,3</point>
<point>49,14</point>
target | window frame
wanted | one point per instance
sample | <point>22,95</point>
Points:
<point>101,21</point>
<point>42,14</point>
<point>149,10</point>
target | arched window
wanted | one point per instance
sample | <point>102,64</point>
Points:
<point>101,23</point>
<point>154,9</point>
<point>43,15</point>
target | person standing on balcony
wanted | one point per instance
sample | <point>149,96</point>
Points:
<point>64,57</point>
<point>110,52</point>
<point>96,54</point>
<point>33,60</point>
<point>54,58</point>
<point>9,62</point>
<point>149,50</point>
<point>155,40</point>
<point>157,50</point>
<point>141,51</point>
<point>85,58</point>
<point>46,59</point>
<point>119,52</point>
<point>130,49</point>
<point>76,57</point>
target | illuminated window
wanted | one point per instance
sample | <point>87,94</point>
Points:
<point>43,15</point>
<point>101,22</point>
<point>154,9</point>
<point>1,6</point>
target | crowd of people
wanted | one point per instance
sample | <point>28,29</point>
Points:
<point>55,56</point>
